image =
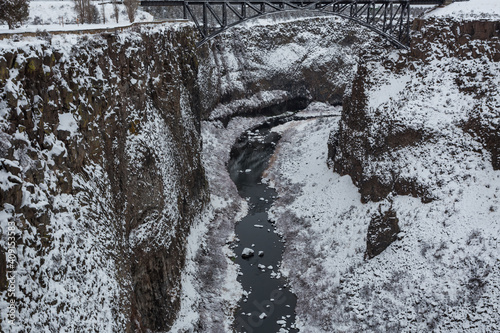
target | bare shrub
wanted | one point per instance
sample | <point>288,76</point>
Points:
<point>14,12</point>
<point>131,7</point>
<point>86,11</point>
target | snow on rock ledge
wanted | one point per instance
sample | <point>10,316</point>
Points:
<point>398,103</point>
<point>424,124</point>
<point>268,66</point>
<point>101,175</point>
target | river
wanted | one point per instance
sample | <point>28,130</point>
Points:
<point>269,306</point>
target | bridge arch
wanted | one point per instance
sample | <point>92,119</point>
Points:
<point>389,18</point>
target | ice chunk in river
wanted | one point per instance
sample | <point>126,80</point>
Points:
<point>247,253</point>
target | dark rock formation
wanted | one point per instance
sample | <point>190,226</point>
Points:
<point>382,231</point>
<point>125,178</point>
<point>280,58</point>
<point>489,134</point>
<point>461,39</point>
<point>355,144</point>
<point>366,136</point>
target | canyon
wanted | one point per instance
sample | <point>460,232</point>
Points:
<point>114,149</point>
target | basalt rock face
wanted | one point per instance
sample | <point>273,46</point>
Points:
<point>382,231</point>
<point>364,136</point>
<point>460,39</point>
<point>372,137</point>
<point>278,67</point>
<point>469,40</point>
<point>101,177</point>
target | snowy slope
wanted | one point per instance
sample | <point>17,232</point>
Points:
<point>469,10</point>
<point>85,153</point>
<point>210,290</point>
<point>60,15</point>
<point>443,272</point>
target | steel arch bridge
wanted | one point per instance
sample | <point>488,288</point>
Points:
<point>389,18</point>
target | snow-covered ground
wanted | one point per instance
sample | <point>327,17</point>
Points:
<point>472,9</point>
<point>443,272</point>
<point>61,15</point>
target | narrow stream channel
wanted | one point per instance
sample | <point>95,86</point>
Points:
<point>270,306</point>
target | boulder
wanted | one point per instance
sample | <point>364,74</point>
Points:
<point>247,253</point>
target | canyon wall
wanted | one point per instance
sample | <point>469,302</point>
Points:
<point>418,137</point>
<point>371,130</point>
<point>100,177</point>
<point>101,174</point>
<point>267,67</point>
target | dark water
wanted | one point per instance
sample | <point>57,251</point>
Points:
<point>270,305</point>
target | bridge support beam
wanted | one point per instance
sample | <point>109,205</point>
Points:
<point>389,18</point>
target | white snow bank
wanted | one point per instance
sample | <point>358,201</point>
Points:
<point>61,15</point>
<point>67,122</point>
<point>447,246</point>
<point>468,10</point>
<point>210,303</point>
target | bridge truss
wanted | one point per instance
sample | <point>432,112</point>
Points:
<point>389,18</point>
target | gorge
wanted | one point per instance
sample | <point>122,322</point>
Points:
<point>114,150</point>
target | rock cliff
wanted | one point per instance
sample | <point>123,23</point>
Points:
<point>264,67</point>
<point>101,176</point>
<point>373,133</point>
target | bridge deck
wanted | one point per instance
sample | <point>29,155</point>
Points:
<point>147,3</point>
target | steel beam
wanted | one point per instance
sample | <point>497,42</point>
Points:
<point>148,3</point>
<point>389,18</point>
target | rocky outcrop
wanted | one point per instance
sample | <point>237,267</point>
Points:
<point>466,40</point>
<point>382,231</point>
<point>356,143</point>
<point>101,174</point>
<point>479,124</point>
<point>371,135</point>
<point>278,67</point>
<point>460,39</point>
